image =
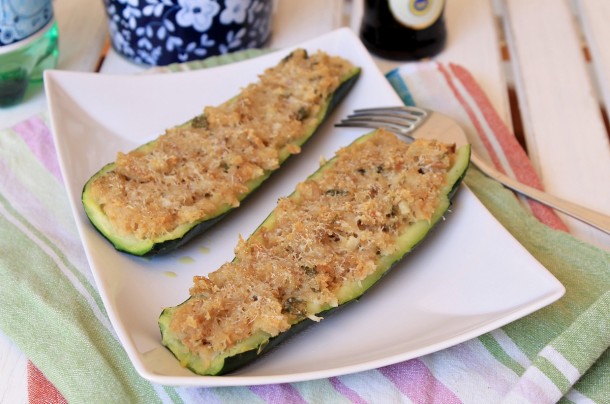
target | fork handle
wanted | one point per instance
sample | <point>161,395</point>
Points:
<point>589,216</point>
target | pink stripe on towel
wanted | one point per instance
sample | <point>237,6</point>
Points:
<point>350,394</point>
<point>414,380</point>
<point>37,135</point>
<point>278,393</point>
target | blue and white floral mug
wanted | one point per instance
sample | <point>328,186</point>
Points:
<point>160,32</point>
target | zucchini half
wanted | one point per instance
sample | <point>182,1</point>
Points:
<point>259,342</point>
<point>168,241</point>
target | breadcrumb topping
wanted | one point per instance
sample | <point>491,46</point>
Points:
<point>331,233</point>
<point>196,169</point>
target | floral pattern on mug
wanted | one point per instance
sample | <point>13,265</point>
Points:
<point>159,32</point>
<point>198,13</point>
<point>236,10</point>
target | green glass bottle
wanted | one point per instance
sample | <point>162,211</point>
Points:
<point>404,29</point>
<point>28,45</point>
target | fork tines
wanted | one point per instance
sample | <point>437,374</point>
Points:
<point>401,119</point>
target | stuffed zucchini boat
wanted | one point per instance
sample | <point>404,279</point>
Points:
<point>158,196</point>
<point>321,247</point>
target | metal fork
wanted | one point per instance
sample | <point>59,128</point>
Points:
<point>415,122</point>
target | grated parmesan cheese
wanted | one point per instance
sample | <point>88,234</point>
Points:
<point>331,233</point>
<point>194,170</point>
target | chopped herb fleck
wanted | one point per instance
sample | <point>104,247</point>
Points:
<point>287,57</point>
<point>337,192</point>
<point>334,237</point>
<point>294,305</point>
<point>302,114</point>
<point>393,213</point>
<point>200,121</point>
<point>310,271</point>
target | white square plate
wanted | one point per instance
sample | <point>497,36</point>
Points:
<point>469,277</point>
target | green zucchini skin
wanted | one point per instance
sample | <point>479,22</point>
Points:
<point>250,352</point>
<point>147,248</point>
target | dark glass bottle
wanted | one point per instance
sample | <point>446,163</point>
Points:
<point>404,29</point>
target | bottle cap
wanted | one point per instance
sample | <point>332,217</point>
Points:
<point>22,20</point>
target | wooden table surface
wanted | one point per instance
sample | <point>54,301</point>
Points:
<point>544,64</point>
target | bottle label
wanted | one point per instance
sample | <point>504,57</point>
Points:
<point>417,14</point>
<point>20,19</point>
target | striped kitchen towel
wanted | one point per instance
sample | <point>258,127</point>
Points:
<point>52,311</point>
